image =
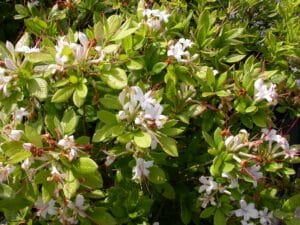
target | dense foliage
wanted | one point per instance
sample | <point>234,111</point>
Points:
<point>151,112</point>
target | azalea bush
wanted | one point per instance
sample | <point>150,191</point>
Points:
<point>151,112</point>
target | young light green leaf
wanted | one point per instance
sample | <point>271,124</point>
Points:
<point>142,139</point>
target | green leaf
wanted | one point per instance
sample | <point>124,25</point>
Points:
<point>21,10</point>
<point>115,78</point>
<point>208,139</point>
<point>101,216</point>
<point>142,139</point>
<point>38,57</point>
<point>71,185</point>
<point>14,204</point>
<point>251,109</point>
<point>107,117</point>
<point>18,157</point>
<point>185,213</point>
<point>85,165</point>
<point>292,203</point>
<point>168,145</point>
<point>259,118</point>
<point>208,212</point>
<point>135,64</point>
<point>6,191</point>
<point>235,58</point>
<point>157,175</point>
<point>210,77</point>
<point>69,122</point>
<point>38,87</point>
<point>77,99</point>
<point>111,102</point>
<point>36,25</point>
<point>158,67</point>
<point>123,34</point>
<point>47,191</point>
<point>33,136</point>
<point>219,218</point>
<point>62,95</point>
<point>108,131</point>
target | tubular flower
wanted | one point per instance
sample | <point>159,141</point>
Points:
<point>208,184</point>
<point>263,92</point>
<point>141,169</point>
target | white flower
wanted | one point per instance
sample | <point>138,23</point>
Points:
<point>234,182</point>
<point>262,91</point>
<point>78,207</point>
<point>27,146</point>
<point>179,52</point>
<point>101,55</point>
<point>141,168</point>
<point>208,184</point>
<point>237,142</point>
<point>5,171</point>
<point>68,143</point>
<point>141,108</point>
<point>247,210</point>
<point>265,217</point>
<point>20,113</point>
<point>206,199</point>
<point>56,175</point>
<point>254,172</point>
<point>271,135</point>
<point>45,208</point>
<point>26,49</point>
<point>155,18</point>
<point>26,164</point>
<point>15,135</point>
<point>110,159</point>
<point>4,80</point>
<point>153,113</point>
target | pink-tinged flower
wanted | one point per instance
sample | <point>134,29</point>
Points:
<point>208,184</point>
<point>5,171</point>
<point>68,143</point>
<point>15,135</point>
<point>206,199</point>
<point>246,211</point>
<point>141,169</point>
<point>254,172</point>
<point>263,92</point>
<point>56,175</point>
<point>265,217</point>
<point>45,209</point>
<point>79,207</point>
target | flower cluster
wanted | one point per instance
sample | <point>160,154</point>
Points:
<point>141,108</point>
<point>155,18</point>
<point>179,50</point>
<point>262,91</point>
<point>248,211</point>
<point>72,53</point>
